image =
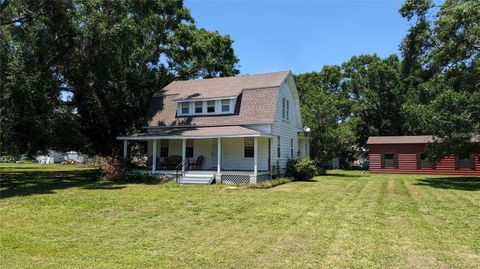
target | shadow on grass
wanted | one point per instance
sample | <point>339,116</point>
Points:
<point>305,180</point>
<point>25,183</point>
<point>458,183</point>
<point>345,175</point>
<point>104,186</point>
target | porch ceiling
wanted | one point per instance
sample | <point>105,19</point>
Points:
<point>196,132</point>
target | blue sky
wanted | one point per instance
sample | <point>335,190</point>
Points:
<point>302,36</point>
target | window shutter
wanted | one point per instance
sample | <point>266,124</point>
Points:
<point>456,162</point>
<point>419,161</point>
<point>472,161</point>
<point>382,160</point>
<point>395,160</point>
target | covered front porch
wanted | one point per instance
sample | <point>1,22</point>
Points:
<point>227,157</point>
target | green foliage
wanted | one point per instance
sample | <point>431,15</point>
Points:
<point>435,89</point>
<point>305,169</point>
<point>267,184</point>
<point>374,86</point>
<point>276,169</point>
<point>300,169</point>
<point>145,178</point>
<point>321,171</point>
<point>290,168</point>
<point>109,55</point>
<point>442,73</point>
<point>344,105</point>
<point>324,109</point>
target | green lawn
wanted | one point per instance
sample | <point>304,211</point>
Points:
<point>57,216</point>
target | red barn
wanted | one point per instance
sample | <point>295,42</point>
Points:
<point>404,155</point>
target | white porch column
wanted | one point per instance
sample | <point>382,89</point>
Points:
<point>125,149</point>
<point>154,156</point>
<point>270,146</point>
<point>219,155</point>
<point>255,157</point>
<point>184,153</point>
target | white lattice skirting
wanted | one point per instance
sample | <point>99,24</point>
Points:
<point>235,179</point>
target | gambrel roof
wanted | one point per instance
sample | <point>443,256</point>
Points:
<point>256,100</point>
<point>222,87</point>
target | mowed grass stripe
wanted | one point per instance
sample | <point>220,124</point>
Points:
<point>343,220</point>
<point>310,235</point>
<point>431,242</point>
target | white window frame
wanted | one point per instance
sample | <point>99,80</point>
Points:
<point>184,105</point>
<point>209,104</point>
<point>225,103</point>
<point>249,139</point>
<point>196,106</point>
<point>223,106</point>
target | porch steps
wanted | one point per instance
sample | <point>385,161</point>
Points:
<point>197,179</point>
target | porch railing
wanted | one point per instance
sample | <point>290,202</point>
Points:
<point>179,171</point>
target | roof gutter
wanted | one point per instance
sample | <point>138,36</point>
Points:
<point>191,137</point>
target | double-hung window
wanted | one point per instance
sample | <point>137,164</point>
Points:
<point>211,107</point>
<point>279,154</point>
<point>185,108</point>
<point>199,107</point>
<point>291,148</point>
<point>285,108</point>
<point>465,161</point>
<point>226,105</point>
<point>248,150</point>
<point>424,162</point>
<point>288,110</point>
<point>389,160</point>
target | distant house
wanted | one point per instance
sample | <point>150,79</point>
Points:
<point>405,154</point>
<point>51,157</point>
<point>232,129</point>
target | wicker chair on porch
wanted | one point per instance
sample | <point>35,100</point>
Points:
<point>159,165</point>
<point>173,161</point>
<point>197,163</point>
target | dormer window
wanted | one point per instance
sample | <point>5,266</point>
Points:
<point>185,108</point>
<point>211,107</point>
<point>226,105</point>
<point>206,107</point>
<point>199,107</point>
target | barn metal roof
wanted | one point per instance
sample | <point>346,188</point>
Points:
<point>415,139</point>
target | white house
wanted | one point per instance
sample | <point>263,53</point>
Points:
<point>232,129</point>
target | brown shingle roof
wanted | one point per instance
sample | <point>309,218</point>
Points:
<point>417,139</point>
<point>255,105</point>
<point>222,87</point>
<point>219,131</point>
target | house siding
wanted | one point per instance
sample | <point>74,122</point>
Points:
<point>407,161</point>
<point>286,129</point>
<point>232,152</point>
<point>233,158</point>
<point>304,148</point>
